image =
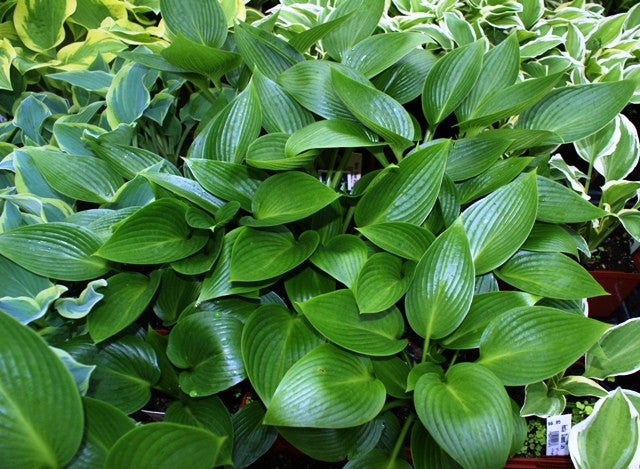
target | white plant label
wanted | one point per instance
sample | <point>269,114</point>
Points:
<point>558,428</point>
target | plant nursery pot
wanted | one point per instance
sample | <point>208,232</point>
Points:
<point>617,284</point>
<point>546,462</point>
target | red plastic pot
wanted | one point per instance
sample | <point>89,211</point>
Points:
<point>617,284</point>
<point>547,462</point>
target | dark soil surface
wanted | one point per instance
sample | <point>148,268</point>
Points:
<point>613,254</point>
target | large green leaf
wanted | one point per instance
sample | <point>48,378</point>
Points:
<point>499,174</point>
<point>548,237</point>
<point>83,178</point>
<point>470,422</point>
<point>229,181</point>
<point>484,308</point>
<point>57,250</point>
<point>403,81</point>
<point>234,128</point>
<point>265,52</point>
<point>621,352</point>
<point>500,68</point>
<point>375,109</point>
<point>469,157</point>
<point>287,197</point>
<point>251,438</point>
<point>442,288</point>
<point>199,58</point>
<point>187,188</point>
<point>568,111</point>
<point>327,388</point>
<point>376,53</point>
<point>127,97</point>
<point>342,257</point>
<point>393,372</point>
<point>127,295</point>
<point>405,193</point>
<point>273,339</point>
<point>559,204</point>
<point>207,349</point>
<point>383,280</point>
<point>328,134</point>
<point>590,443</point>
<point>39,23</point>
<point>261,254</point>
<point>154,234</point>
<point>426,453</point>
<point>165,445</point>
<point>450,80</point>
<point>201,21</point>
<point>125,371</point>
<point>528,344</point>
<point>498,224</point>
<point>104,425</point>
<point>402,239</point>
<point>41,413</point>
<point>269,152</point>
<point>336,316</point>
<point>209,414</point>
<point>549,274</point>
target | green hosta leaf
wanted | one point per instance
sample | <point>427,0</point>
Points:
<point>76,308</point>
<point>310,84</point>
<point>91,13</point>
<point>273,339</point>
<point>7,54</point>
<point>251,438</point>
<point>426,453</point>
<point>559,204</point>
<point>621,350</point>
<point>164,446</point>
<point>268,152</point>
<point>280,112</point>
<point>484,308</point>
<point>336,316</point>
<point>549,274</point>
<point>81,177</point>
<point>127,97</point>
<point>265,51</point>
<point>499,174</point>
<point>471,423</point>
<point>307,38</point>
<point>393,372</point>
<point>377,459</point>
<point>630,219</point>
<point>500,67</point>
<point>450,80</point>
<point>127,296</point>
<point>498,224</point>
<point>288,197</point>
<point>541,401</point>
<point>201,21</point>
<point>363,20</point>
<point>351,395</point>
<point>568,112</point>
<point>41,415</point>
<point>402,239</point>
<point>198,58</point>
<point>306,284</point>
<point>90,80</point>
<point>104,425</point>
<point>263,254</point>
<point>398,196</point>
<point>207,348</point>
<point>382,281</point>
<point>57,250</point>
<point>209,414</point>
<point>580,386</point>
<point>378,111</point>
<point>175,294</point>
<point>30,116</point>
<point>39,23</point>
<point>590,443</point>
<point>510,101</point>
<point>154,234</point>
<point>376,53</point>
<point>546,237</point>
<point>125,371</point>
<point>442,288</point>
<point>234,128</point>
<point>469,157</point>
<point>187,188</point>
<point>404,80</point>
<point>328,134</point>
<point>548,340</point>
<point>68,136</point>
<point>229,181</point>
<point>168,382</point>
<point>342,257</point>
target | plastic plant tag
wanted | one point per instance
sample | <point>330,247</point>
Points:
<point>558,428</point>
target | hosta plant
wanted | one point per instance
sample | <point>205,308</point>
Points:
<point>175,233</point>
